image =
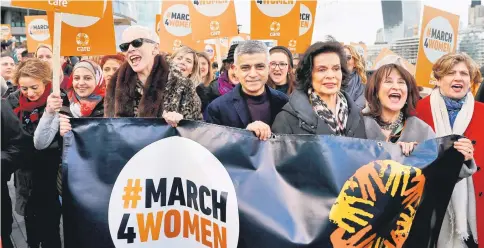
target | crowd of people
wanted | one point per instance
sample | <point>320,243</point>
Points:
<point>325,91</point>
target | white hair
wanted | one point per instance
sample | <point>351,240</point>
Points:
<point>151,34</point>
<point>251,47</point>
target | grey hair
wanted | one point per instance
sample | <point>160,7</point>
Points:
<point>151,34</point>
<point>251,47</point>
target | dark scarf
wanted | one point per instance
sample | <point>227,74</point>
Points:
<point>453,108</point>
<point>337,123</point>
<point>224,84</point>
<point>120,92</point>
<point>26,106</point>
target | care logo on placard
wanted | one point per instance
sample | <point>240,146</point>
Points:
<point>82,40</point>
<point>174,193</point>
<point>177,44</point>
<point>215,28</point>
<point>438,39</point>
<point>177,20</point>
<point>275,28</point>
<point>305,20</point>
<point>211,7</point>
<point>275,8</point>
<point>292,46</point>
<point>39,29</point>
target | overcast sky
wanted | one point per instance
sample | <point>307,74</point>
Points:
<point>353,20</point>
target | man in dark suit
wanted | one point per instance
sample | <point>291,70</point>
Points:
<point>251,104</point>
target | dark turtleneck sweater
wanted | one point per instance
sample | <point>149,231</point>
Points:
<point>259,107</point>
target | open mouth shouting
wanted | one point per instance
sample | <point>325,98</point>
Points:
<point>134,59</point>
<point>457,87</point>
<point>395,97</point>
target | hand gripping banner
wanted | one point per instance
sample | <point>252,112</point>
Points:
<point>135,182</point>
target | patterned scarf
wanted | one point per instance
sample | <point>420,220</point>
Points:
<point>26,106</point>
<point>453,108</point>
<point>224,84</point>
<point>337,123</point>
<point>83,107</point>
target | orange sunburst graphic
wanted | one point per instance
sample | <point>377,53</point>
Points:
<point>356,207</point>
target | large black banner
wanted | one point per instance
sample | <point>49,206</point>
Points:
<point>136,182</point>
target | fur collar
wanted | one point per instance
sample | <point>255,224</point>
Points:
<point>120,91</point>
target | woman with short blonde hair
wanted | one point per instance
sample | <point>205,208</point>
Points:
<point>188,67</point>
<point>37,198</point>
<point>451,109</point>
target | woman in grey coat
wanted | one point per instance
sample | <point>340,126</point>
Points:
<point>392,95</point>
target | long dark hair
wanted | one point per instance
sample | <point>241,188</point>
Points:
<point>373,87</point>
<point>304,70</point>
<point>290,78</point>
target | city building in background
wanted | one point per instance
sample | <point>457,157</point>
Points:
<point>401,19</point>
<point>407,48</point>
<point>15,16</point>
<point>471,39</point>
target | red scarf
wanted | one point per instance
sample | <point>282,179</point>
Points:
<point>25,105</point>
<point>88,104</point>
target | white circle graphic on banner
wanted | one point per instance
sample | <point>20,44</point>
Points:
<point>438,38</point>
<point>211,8</point>
<point>275,8</point>
<point>39,29</point>
<point>306,20</point>
<point>174,193</point>
<point>82,21</point>
<point>210,51</point>
<point>177,20</point>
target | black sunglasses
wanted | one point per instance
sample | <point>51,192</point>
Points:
<point>136,43</point>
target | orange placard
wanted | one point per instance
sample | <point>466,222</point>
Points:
<point>37,32</point>
<point>86,35</point>
<point>386,56</point>
<point>88,8</point>
<point>274,20</point>
<point>306,26</point>
<point>174,27</point>
<point>6,31</point>
<point>211,19</point>
<point>361,48</point>
<point>438,36</point>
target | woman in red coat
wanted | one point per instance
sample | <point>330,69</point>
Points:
<point>451,109</point>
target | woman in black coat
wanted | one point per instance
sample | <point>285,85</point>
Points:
<point>37,198</point>
<point>318,106</point>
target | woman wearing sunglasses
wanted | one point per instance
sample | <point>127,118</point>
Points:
<point>355,86</point>
<point>137,89</point>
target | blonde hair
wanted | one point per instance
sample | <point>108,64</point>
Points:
<point>448,61</point>
<point>208,78</point>
<point>359,63</point>
<point>42,46</point>
<point>195,75</point>
<point>33,68</point>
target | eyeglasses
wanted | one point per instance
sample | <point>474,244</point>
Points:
<point>282,66</point>
<point>136,43</point>
<point>349,57</point>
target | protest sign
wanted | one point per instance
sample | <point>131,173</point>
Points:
<point>306,26</point>
<point>151,185</point>
<point>6,31</point>
<point>174,26</point>
<point>274,20</point>
<point>37,32</point>
<point>438,36</point>
<point>212,19</point>
<point>386,56</point>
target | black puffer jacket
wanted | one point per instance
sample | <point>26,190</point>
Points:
<point>298,117</point>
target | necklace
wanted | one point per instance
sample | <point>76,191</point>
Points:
<point>393,125</point>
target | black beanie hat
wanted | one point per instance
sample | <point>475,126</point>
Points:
<point>230,54</point>
<point>288,53</point>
